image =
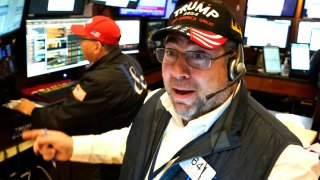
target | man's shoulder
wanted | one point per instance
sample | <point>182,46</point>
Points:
<point>265,121</point>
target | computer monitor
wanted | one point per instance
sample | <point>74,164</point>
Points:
<point>305,30</point>
<point>147,8</point>
<point>279,8</point>
<point>300,57</point>
<point>315,39</point>
<point>51,46</point>
<point>152,27</point>
<point>130,35</point>
<point>272,61</point>
<point>311,9</point>
<point>171,5</point>
<point>11,12</point>
<point>117,3</point>
<point>262,32</point>
<point>7,60</point>
<point>56,7</point>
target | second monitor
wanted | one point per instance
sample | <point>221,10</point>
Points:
<point>51,46</point>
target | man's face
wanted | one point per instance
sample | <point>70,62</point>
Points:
<point>188,86</point>
<point>88,48</point>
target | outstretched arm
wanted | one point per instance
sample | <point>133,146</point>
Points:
<point>108,147</point>
<point>51,144</point>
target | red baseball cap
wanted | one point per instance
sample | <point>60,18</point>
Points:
<point>101,28</point>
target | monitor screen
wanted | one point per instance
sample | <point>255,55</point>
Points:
<point>56,7</point>
<point>147,8</point>
<point>305,31</point>
<point>280,8</point>
<point>171,5</point>
<point>300,56</point>
<point>7,60</point>
<point>315,39</point>
<point>130,35</point>
<point>117,3</point>
<point>262,32</point>
<point>311,9</point>
<point>51,46</point>
<point>272,61</point>
<point>152,27</point>
<point>11,12</point>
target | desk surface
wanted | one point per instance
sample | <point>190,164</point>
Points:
<point>275,76</point>
<point>280,85</point>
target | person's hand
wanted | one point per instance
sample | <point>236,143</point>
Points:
<point>315,148</point>
<point>50,144</point>
<point>25,106</point>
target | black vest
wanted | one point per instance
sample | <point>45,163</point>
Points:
<point>244,143</point>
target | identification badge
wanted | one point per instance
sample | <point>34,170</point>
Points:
<point>198,168</point>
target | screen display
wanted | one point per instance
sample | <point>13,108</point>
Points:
<point>263,32</point>
<point>152,27</point>
<point>148,8</point>
<point>272,62</point>
<point>300,56</point>
<point>130,35</point>
<point>11,12</point>
<point>311,9</point>
<point>315,39</point>
<point>280,8</point>
<point>308,32</point>
<point>56,7</point>
<point>171,5</point>
<point>51,46</point>
<point>117,3</point>
<point>7,61</point>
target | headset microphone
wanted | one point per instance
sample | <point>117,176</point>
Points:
<point>236,71</point>
<point>237,79</point>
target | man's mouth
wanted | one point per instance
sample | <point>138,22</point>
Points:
<point>183,92</point>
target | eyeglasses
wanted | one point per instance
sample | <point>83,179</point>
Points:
<point>195,59</point>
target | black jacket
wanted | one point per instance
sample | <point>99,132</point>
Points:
<point>244,143</point>
<point>111,100</point>
<point>115,91</point>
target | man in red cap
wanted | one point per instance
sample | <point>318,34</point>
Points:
<point>107,97</point>
<point>203,124</point>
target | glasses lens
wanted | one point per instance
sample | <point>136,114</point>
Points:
<point>168,56</point>
<point>160,54</point>
<point>198,59</point>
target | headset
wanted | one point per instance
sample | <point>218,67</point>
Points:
<point>236,70</point>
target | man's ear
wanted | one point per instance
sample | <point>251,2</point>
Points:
<point>98,47</point>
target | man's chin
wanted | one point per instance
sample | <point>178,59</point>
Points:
<point>181,109</point>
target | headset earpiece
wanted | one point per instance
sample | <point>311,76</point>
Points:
<point>236,66</point>
<point>236,71</point>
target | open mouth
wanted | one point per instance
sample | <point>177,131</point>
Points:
<point>183,92</point>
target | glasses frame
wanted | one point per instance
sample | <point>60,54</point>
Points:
<point>157,51</point>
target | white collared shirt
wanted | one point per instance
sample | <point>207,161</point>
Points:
<point>294,162</point>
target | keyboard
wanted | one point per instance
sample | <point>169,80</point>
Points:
<point>55,92</point>
<point>50,92</point>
